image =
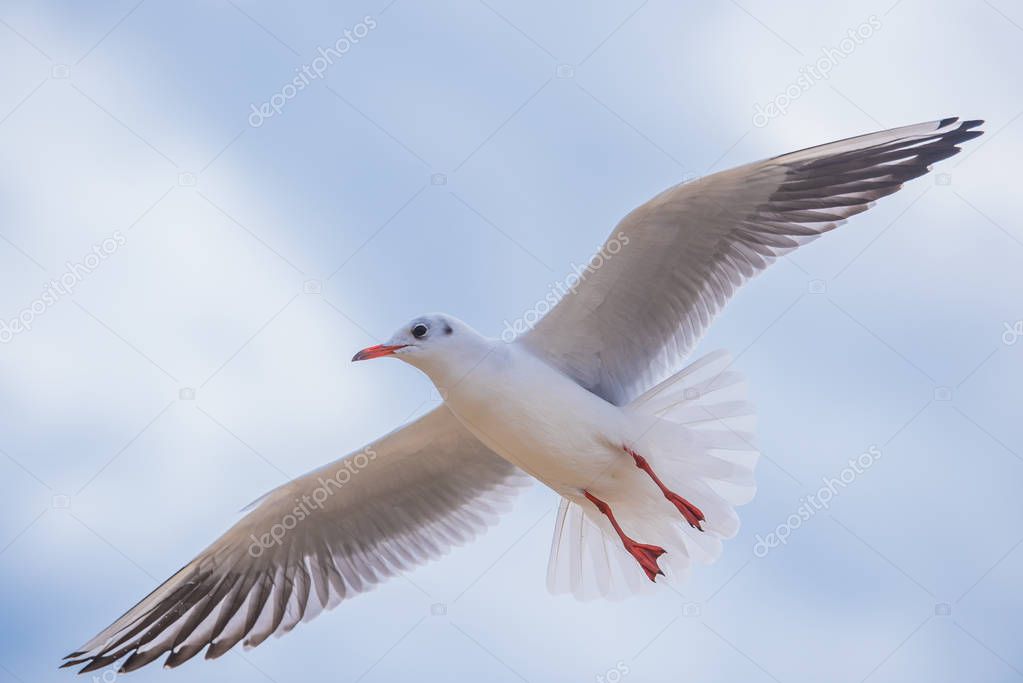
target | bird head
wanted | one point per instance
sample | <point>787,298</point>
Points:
<point>433,343</point>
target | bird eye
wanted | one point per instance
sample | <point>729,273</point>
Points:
<point>419,330</point>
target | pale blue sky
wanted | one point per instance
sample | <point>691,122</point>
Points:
<point>461,156</point>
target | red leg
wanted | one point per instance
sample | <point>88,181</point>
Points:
<point>645,554</point>
<point>692,514</point>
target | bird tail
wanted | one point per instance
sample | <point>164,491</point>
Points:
<point>696,431</point>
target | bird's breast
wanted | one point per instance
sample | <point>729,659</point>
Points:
<point>541,421</point>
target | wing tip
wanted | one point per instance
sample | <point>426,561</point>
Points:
<point>77,659</point>
<point>963,125</point>
<point>961,133</point>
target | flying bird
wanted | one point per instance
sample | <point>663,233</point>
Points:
<point>650,458</point>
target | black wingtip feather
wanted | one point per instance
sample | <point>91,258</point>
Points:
<point>870,171</point>
<point>99,663</point>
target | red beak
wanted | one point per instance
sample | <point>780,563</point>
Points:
<point>377,351</point>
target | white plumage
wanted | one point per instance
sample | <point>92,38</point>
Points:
<point>591,402</point>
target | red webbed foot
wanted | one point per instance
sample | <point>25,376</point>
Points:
<point>646,555</point>
<point>692,514</point>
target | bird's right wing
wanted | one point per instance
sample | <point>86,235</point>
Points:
<point>321,538</point>
<point>672,264</point>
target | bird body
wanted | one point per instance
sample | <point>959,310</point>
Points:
<point>631,470</point>
<point>650,458</point>
<point>532,414</point>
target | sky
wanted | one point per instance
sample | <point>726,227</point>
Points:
<point>229,240</point>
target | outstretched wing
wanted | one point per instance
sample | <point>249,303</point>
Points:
<point>674,262</point>
<point>315,541</point>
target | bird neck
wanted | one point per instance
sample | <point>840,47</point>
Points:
<point>458,365</point>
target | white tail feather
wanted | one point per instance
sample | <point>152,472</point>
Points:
<point>696,430</point>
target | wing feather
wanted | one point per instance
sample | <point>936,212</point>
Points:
<point>403,500</point>
<point>673,263</point>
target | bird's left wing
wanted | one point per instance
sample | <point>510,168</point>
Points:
<point>674,262</point>
<point>315,541</point>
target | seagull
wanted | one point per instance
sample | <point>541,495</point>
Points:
<point>650,458</point>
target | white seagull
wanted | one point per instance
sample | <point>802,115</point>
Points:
<point>649,460</point>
